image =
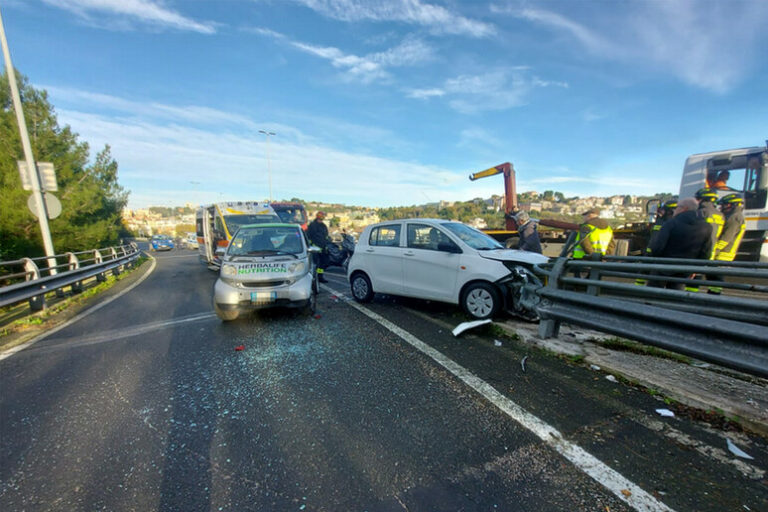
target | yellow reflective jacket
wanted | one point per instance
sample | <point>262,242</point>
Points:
<point>599,239</point>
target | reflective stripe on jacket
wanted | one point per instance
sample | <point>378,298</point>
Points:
<point>733,232</point>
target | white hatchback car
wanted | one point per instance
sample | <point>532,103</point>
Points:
<point>444,261</point>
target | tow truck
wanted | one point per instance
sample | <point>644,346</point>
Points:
<point>743,171</point>
<point>551,241</point>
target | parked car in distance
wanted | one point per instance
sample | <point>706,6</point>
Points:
<point>161,243</point>
<point>444,261</point>
<point>264,266</point>
<point>190,241</point>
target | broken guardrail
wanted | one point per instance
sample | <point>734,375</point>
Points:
<point>26,279</point>
<point>730,329</point>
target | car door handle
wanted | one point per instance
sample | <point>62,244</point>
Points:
<point>369,250</point>
<point>409,253</point>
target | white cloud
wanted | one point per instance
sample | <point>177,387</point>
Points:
<point>689,39</point>
<point>498,89</point>
<point>368,68</point>
<point>144,11</point>
<point>437,18</point>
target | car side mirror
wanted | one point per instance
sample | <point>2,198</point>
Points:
<point>313,249</point>
<point>448,247</point>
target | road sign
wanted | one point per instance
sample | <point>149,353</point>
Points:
<point>46,173</point>
<point>52,205</point>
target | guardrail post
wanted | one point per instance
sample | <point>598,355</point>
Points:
<point>116,270</point>
<point>74,263</point>
<point>36,303</point>
<point>593,274</point>
<point>101,277</point>
<point>550,327</point>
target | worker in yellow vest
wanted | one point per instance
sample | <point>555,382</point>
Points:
<point>595,236</point>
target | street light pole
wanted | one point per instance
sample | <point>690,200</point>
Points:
<point>34,178</point>
<point>269,163</point>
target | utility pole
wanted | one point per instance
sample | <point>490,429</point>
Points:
<point>269,164</point>
<point>34,177</point>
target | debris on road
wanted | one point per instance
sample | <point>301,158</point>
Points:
<point>666,413</point>
<point>239,348</point>
<point>594,367</point>
<point>626,492</point>
<point>611,378</point>
<point>318,317</point>
<point>464,326</point>
<point>738,451</point>
<point>522,363</point>
<point>497,343</point>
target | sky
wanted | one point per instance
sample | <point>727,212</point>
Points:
<point>395,102</point>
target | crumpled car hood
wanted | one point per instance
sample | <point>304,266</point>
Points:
<point>531,258</point>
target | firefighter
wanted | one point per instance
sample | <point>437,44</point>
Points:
<point>595,236</point>
<point>317,232</point>
<point>709,212</point>
<point>665,212</point>
<point>732,207</point>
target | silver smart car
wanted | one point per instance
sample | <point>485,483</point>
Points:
<point>266,265</point>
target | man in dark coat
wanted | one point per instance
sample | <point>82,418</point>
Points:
<point>527,230</point>
<point>687,236</point>
<point>317,232</point>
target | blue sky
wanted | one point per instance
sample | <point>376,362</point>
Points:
<point>396,102</point>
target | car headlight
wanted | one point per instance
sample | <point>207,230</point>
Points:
<point>228,270</point>
<point>297,267</point>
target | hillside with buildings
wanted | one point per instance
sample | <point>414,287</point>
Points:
<point>478,212</point>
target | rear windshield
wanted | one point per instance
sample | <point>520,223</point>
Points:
<point>266,240</point>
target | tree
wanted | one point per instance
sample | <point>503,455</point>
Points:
<point>91,198</point>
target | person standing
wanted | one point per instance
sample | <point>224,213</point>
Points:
<point>665,212</point>
<point>317,232</point>
<point>732,207</point>
<point>595,236</point>
<point>709,212</point>
<point>527,230</point>
<point>686,236</point>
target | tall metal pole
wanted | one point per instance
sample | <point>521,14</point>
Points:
<point>34,178</point>
<point>269,163</point>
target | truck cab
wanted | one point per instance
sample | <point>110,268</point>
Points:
<point>743,171</point>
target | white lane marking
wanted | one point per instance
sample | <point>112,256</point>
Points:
<point>118,334</point>
<point>18,348</point>
<point>168,257</point>
<point>609,478</point>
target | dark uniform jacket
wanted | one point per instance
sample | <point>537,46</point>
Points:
<point>687,235</point>
<point>733,223</point>
<point>317,232</point>
<point>529,237</point>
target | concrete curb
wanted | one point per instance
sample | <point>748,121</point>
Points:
<point>702,386</point>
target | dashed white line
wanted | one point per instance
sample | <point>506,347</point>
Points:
<point>609,478</point>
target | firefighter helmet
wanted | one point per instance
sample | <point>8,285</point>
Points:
<point>734,199</point>
<point>670,205</point>
<point>706,194</point>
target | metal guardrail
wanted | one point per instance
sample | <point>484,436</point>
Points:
<point>730,329</point>
<point>26,279</point>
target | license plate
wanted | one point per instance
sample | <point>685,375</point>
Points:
<point>263,297</point>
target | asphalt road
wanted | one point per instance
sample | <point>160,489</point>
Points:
<point>146,405</point>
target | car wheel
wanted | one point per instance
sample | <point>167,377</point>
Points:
<point>361,287</point>
<point>481,301</point>
<point>311,306</point>
<point>226,316</point>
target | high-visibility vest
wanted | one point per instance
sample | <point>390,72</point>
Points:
<point>599,238</point>
<point>725,253</point>
<point>718,221</point>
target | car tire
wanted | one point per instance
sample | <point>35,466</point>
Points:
<point>361,288</point>
<point>311,306</point>
<point>481,300</point>
<point>225,316</point>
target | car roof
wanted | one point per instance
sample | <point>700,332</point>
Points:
<point>417,219</point>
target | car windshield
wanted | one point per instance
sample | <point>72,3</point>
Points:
<point>251,241</point>
<point>235,221</point>
<point>472,237</point>
<point>161,237</point>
